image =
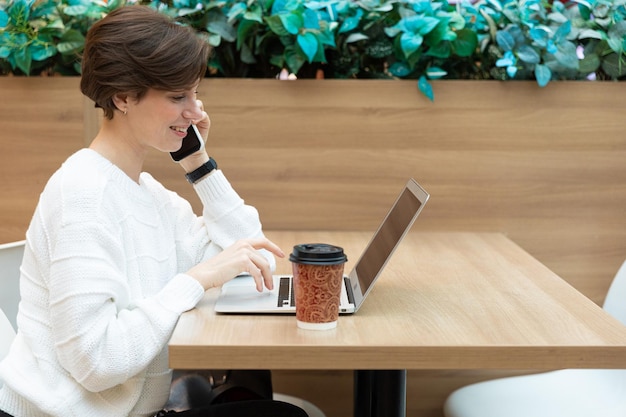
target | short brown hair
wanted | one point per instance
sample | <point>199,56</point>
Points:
<point>136,48</point>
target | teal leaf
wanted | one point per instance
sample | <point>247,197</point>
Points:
<point>399,69</point>
<point>435,73</point>
<point>4,19</point>
<point>351,22</point>
<point>410,43</point>
<point>77,10</point>
<point>511,71</point>
<point>355,37</point>
<point>308,42</point>
<point>562,32</point>
<point>310,19</point>
<point>505,40</point>
<point>542,74</point>
<point>420,24</point>
<point>566,56</point>
<point>42,52</point>
<point>540,36</point>
<point>528,54</point>
<point>235,11</point>
<point>425,87</point>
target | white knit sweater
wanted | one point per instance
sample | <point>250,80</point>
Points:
<point>102,288</point>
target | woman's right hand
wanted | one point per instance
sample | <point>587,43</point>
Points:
<point>242,256</point>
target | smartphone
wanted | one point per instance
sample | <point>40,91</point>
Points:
<point>191,143</point>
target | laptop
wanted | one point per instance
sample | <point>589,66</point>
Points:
<point>239,295</point>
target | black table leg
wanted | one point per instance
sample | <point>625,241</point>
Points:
<point>380,393</point>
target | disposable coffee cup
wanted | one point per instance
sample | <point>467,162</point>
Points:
<point>318,277</point>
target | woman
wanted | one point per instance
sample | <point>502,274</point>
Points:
<point>112,257</point>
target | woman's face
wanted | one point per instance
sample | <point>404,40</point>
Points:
<point>161,118</point>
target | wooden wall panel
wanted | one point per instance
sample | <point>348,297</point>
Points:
<point>544,166</point>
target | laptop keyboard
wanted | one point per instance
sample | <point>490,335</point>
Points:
<point>285,293</point>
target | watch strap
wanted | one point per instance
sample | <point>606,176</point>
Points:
<point>201,171</point>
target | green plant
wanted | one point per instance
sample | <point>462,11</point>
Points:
<point>413,39</point>
<point>46,37</point>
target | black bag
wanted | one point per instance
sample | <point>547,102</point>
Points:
<point>225,393</point>
<point>201,388</point>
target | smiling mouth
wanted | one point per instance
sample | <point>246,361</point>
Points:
<point>179,129</point>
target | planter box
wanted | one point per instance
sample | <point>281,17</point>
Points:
<point>545,166</point>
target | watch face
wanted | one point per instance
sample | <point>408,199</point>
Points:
<point>191,143</point>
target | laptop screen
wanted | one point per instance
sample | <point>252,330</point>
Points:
<point>393,228</point>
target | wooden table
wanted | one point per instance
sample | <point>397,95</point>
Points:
<point>445,301</point>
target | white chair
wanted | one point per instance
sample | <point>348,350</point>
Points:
<point>311,409</point>
<point>7,334</point>
<point>563,393</point>
<point>11,255</point>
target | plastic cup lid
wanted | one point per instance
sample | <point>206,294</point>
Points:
<point>317,254</point>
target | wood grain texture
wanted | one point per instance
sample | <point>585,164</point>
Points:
<point>453,300</point>
<point>543,166</point>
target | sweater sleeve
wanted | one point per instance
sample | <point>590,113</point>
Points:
<point>225,219</point>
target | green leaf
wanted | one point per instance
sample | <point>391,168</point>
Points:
<point>293,59</point>
<point>466,43</point>
<point>71,42</point>
<point>442,50</point>
<point>616,36</point>
<point>23,60</point>
<point>291,22</point>
<point>613,66</point>
<point>244,29</point>
<point>276,25</point>
<point>222,28</point>
<point>254,13</point>
<point>590,63</point>
<point>246,55</point>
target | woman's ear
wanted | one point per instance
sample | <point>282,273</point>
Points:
<point>121,102</point>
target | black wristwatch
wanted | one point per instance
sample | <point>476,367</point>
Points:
<point>201,171</point>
